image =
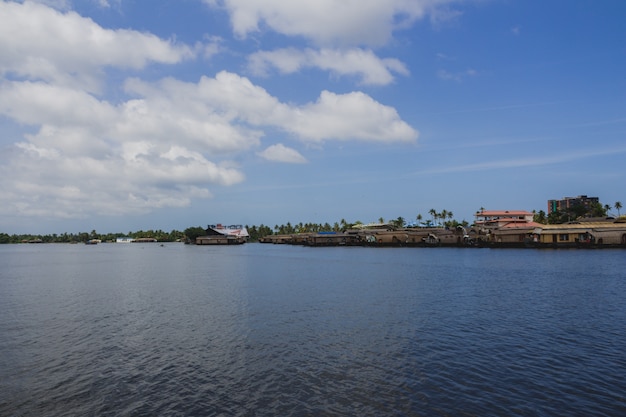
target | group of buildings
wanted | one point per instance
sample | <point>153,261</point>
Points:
<point>491,228</point>
<point>517,228</point>
<point>582,204</point>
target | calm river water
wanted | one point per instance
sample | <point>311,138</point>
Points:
<point>272,330</point>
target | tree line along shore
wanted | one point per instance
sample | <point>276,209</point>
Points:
<point>444,218</point>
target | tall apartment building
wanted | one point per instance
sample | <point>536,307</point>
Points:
<point>567,203</point>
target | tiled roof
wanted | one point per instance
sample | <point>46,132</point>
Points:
<point>503,213</point>
<point>586,225</point>
<point>522,225</point>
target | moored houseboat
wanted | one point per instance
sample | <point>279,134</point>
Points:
<point>224,235</point>
<point>580,234</point>
<point>144,240</point>
<point>331,239</point>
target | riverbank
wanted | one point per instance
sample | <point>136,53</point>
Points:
<point>607,234</point>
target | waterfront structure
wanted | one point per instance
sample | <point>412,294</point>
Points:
<point>567,204</point>
<point>503,227</point>
<point>380,235</point>
<point>224,235</point>
<point>492,228</point>
<point>124,239</point>
<point>144,240</point>
<point>600,233</point>
<point>500,218</point>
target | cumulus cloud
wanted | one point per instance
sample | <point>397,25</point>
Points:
<point>38,42</point>
<point>328,22</point>
<point>353,116</point>
<point>361,63</point>
<point>46,180</point>
<point>153,150</point>
<point>336,29</point>
<point>156,143</point>
<point>281,153</point>
<point>247,108</point>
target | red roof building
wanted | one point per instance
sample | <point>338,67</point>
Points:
<point>500,218</point>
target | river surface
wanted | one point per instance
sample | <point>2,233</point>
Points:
<point>273,330</point>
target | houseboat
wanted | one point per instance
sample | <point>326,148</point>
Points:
<point>585,233</point>
<point>224,235</point>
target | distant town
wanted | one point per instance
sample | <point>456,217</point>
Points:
<point>569,220</point>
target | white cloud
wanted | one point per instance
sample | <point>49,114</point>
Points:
<point>89,156</point>
<point>281,153</point>
<point>328,22</point>
<point>243,108</point>
<point>40,103</point>
<point>456,76</point>
<point>337,28</point>
<point>442,15</point>
<point>46,181</point>
<point>40,43</point>
<point>353,116</point>
<point>107,4</point>
<point>353,62</point>
<point>163,143</point>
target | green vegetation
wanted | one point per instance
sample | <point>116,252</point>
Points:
<point>444,218</point>
<point>191,233</point>
<point>578,211</point>
<point>160,235</point>
<point>540,217</point>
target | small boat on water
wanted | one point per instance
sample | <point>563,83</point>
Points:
<point>93,242</point>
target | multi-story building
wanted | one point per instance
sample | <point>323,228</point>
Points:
<point>568,203</point>
<point>500,218</point>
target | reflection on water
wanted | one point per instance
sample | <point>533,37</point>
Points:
<point>281,330</point>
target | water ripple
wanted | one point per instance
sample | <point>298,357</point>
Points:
<point>265,330</point>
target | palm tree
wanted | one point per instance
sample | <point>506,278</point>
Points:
<point>618,206</point>
<point>419,219</point>
<point>433,213</point>
<point>381,220</point>
<point>607,208</point>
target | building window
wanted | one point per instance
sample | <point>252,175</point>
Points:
<point>564,237</point>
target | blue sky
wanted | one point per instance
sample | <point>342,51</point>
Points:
<point>120,115</point>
